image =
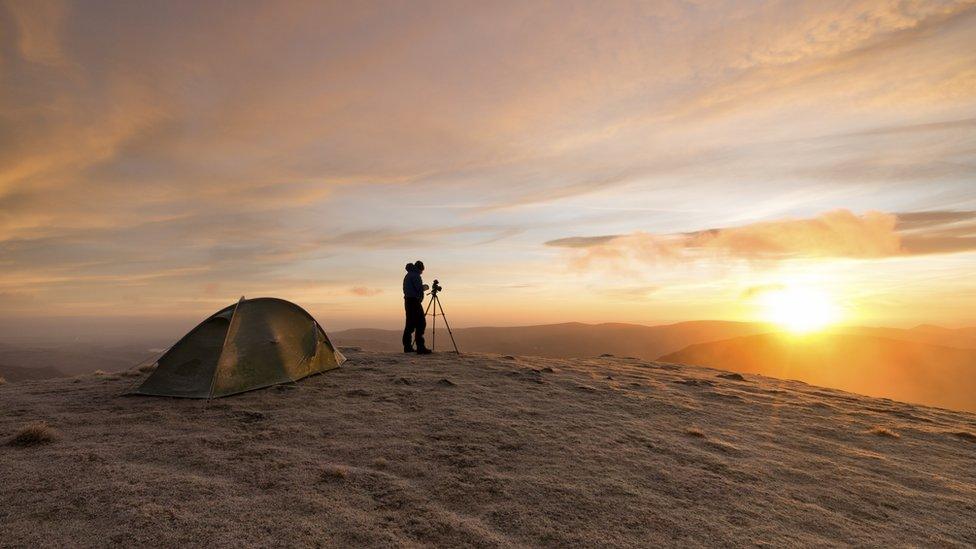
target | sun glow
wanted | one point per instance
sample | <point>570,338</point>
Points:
<point>798,309</point>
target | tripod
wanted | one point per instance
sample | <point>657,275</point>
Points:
<point>432,306</point>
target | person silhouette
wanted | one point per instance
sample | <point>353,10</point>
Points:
<point>413,305</point>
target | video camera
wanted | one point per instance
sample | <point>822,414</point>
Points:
<point>435,287</point>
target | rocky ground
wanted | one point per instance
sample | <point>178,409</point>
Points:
<point>483,450</point>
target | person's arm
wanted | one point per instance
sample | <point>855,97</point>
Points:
<point>418,285</point>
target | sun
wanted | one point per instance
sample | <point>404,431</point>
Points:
<point>798,309</point>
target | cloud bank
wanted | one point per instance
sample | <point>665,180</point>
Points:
<point>830,235</point>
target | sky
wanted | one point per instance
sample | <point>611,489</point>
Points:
<point>641,162</point>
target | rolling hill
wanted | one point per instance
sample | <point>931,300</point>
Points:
<point>926,364</point>
<point>70,359</point>
<point>909,371</point>
<point>568,340</point>
<point>19,373</point>
<point>962,338</point>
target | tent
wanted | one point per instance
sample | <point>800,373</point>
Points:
<point>253,344</point>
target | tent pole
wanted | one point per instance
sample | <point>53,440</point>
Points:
<point>230,326</point>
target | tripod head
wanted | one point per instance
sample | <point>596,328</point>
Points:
<point>435,287</point>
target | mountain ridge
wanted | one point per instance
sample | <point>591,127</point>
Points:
<point>904,370</point>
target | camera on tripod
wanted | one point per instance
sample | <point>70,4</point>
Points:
<point>432,310</point>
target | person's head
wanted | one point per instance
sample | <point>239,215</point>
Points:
<point>419,265</point>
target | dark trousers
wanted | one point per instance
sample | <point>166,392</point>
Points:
<point>416,322</point>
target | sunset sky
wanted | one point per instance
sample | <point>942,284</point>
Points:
<point>549,161</point>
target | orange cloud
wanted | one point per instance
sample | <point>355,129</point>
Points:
<point>833,234</point>
<point>363,291</point>
<point>839,233</point>
<point>39,25</point>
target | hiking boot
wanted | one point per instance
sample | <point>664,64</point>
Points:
<point>423,351</point>
<point>409,350</point>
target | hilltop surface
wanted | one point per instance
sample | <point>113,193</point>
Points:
<point>924,365</point>
<point>483,450</point>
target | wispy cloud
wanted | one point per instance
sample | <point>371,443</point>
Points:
<point>938,232</point>
<point>834,234</point>
<point>39,27</point>
<point>299,146</point>
<point>363,291</point>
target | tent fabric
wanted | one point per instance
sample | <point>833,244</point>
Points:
<point>253,344</point>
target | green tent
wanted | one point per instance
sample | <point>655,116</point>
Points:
<point>253,344</point>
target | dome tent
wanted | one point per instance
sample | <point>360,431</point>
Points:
<point>253,344</point>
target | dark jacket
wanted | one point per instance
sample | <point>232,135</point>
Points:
<point>413,285</point>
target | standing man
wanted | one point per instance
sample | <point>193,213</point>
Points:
<point>413,304</point>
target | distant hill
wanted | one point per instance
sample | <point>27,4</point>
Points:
<point>578,340</point>
<point>963,338</point>
<point>18,373</point>
<point>902,370</point>
<point>72,359</point>
<point>569,340</point>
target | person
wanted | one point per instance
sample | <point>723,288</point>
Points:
<point>413,305</point>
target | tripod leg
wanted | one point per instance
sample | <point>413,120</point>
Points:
<point>433,324</point>
<point>448,327</point>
